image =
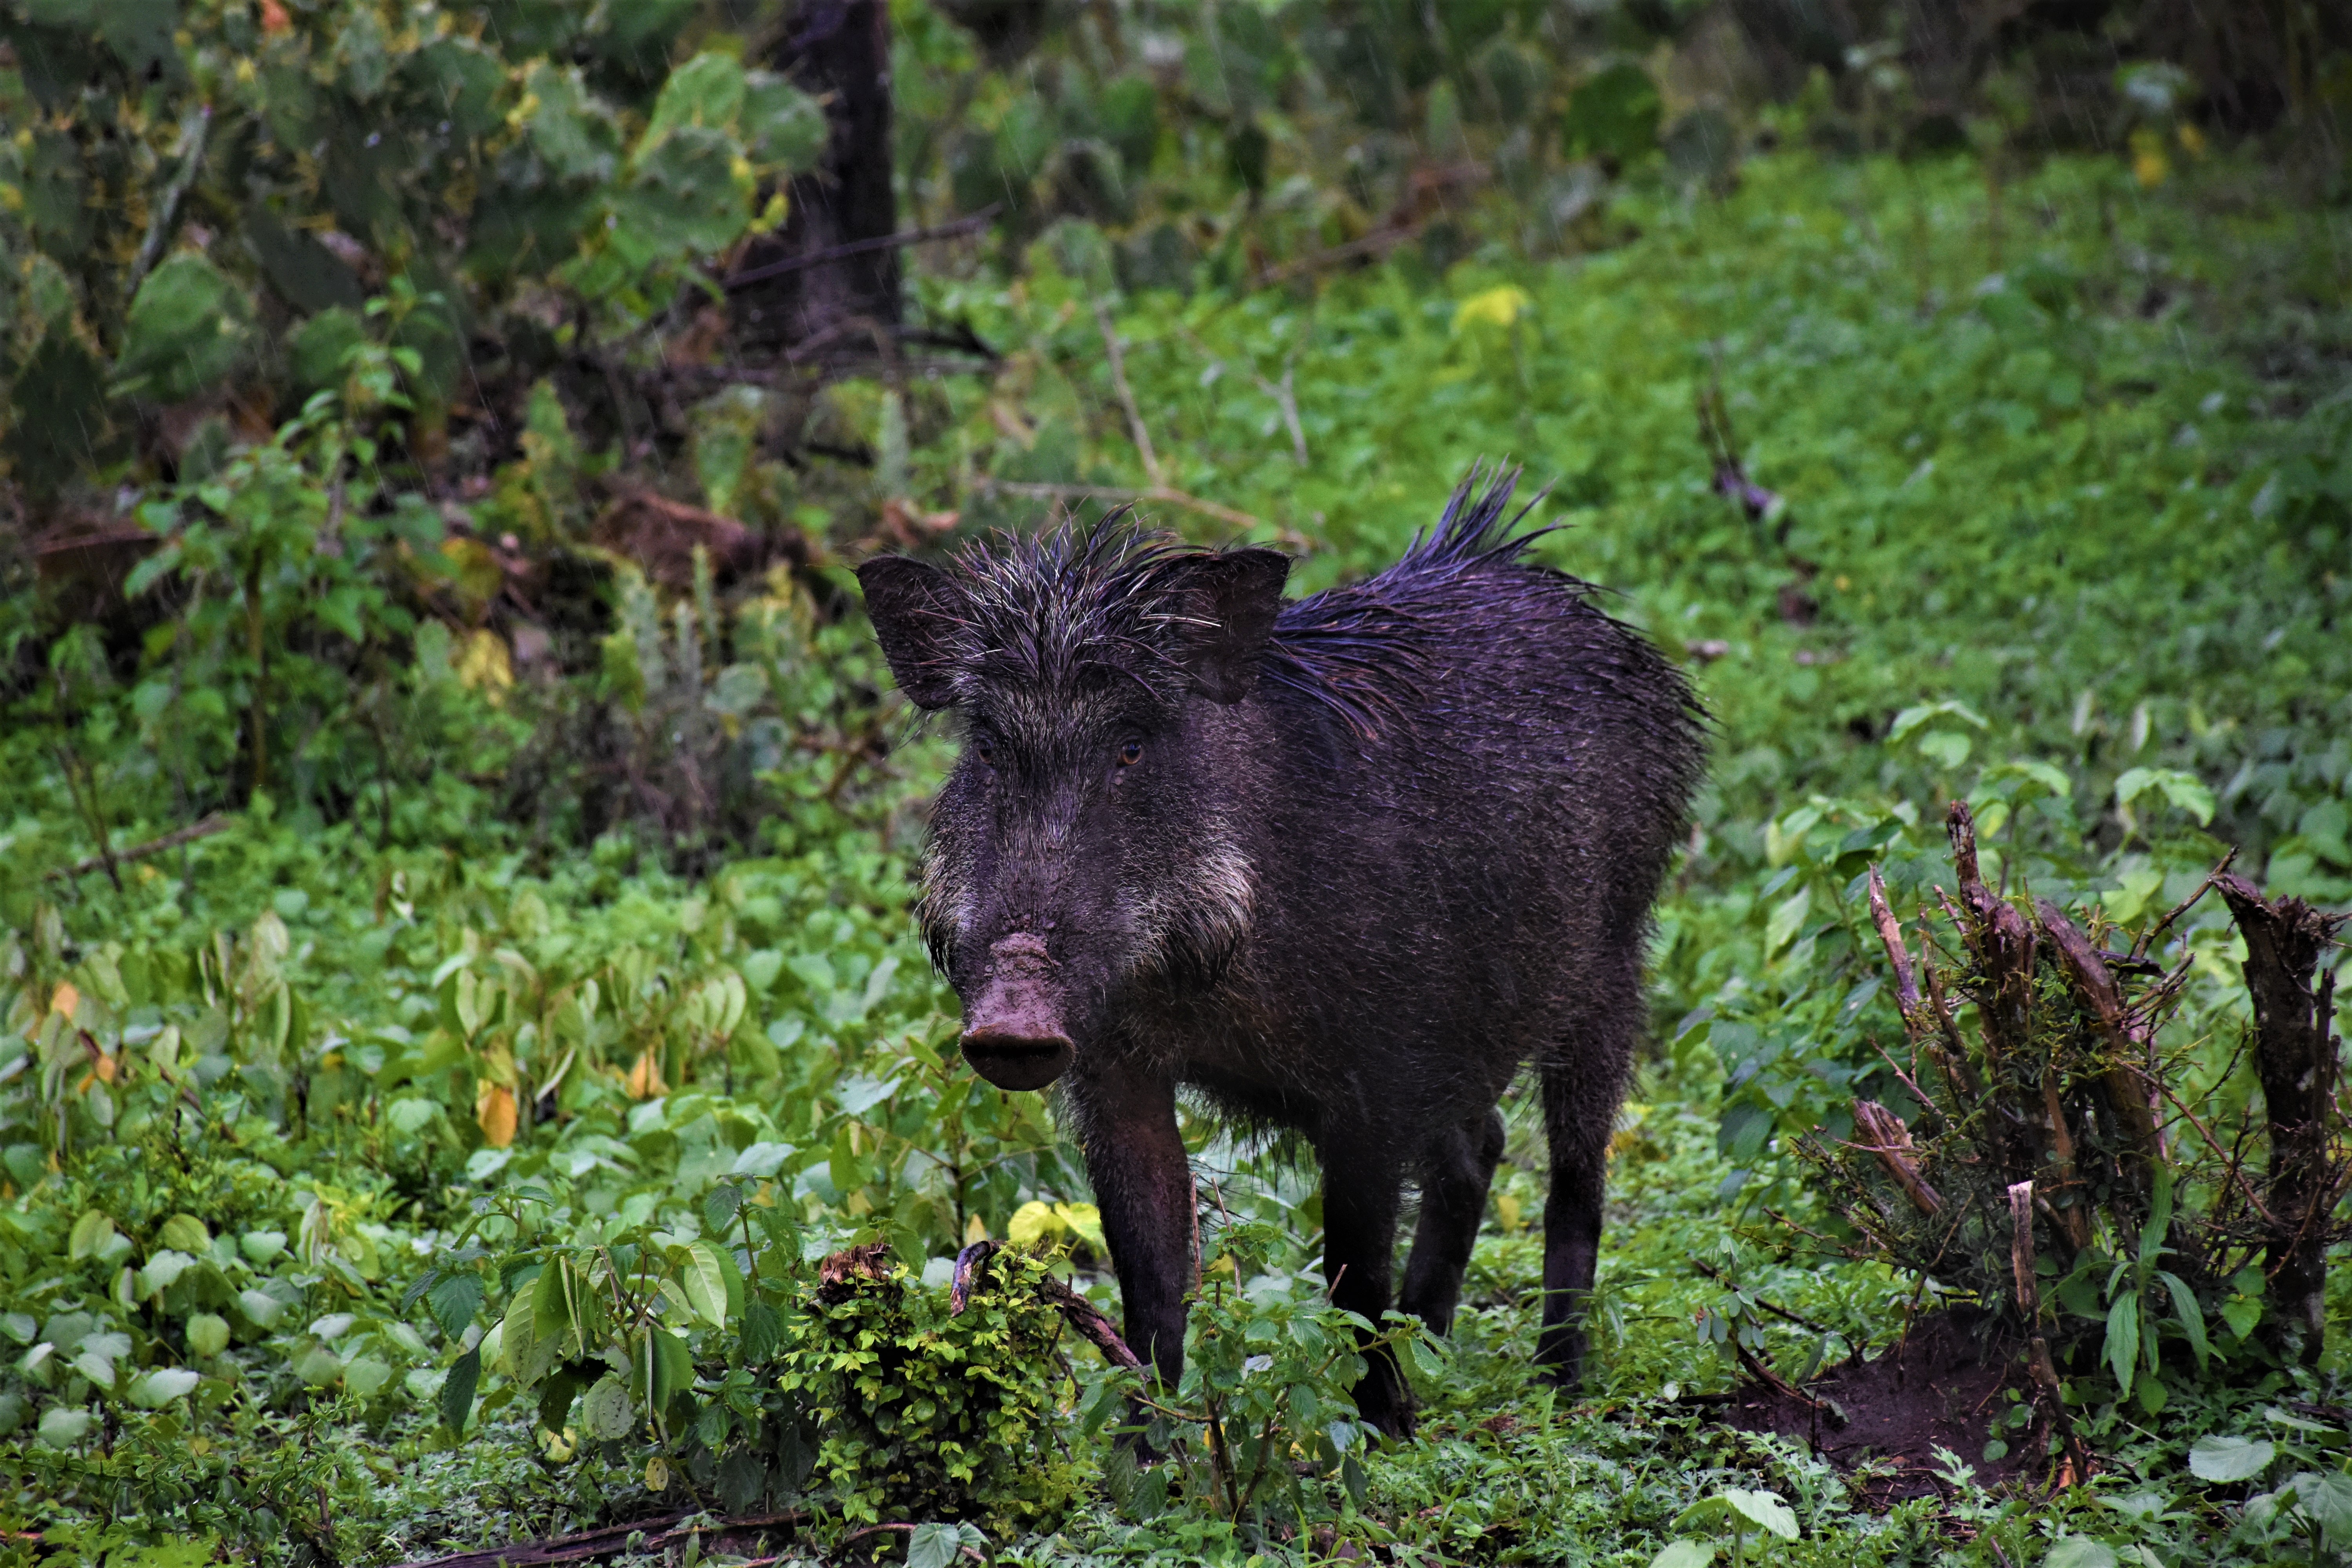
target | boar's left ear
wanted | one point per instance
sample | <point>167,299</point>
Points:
<point>1241,592</point>
<point>915,609</point>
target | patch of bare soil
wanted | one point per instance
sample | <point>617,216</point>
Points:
<point>1942,1385</point>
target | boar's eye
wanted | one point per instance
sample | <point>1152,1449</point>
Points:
<point>1131,752</point>
<point>983,746</point>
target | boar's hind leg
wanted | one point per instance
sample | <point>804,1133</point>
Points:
<point>1143,1183</point>
<point>1359,1217</point>
<point>1453,1201</point>
<point>1581,1088</point>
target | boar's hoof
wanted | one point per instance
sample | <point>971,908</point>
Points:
<point>1012,1060</point>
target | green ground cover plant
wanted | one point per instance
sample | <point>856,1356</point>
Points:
<point>404,1168</point>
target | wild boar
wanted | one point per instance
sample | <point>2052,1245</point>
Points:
<point>1340,866</point>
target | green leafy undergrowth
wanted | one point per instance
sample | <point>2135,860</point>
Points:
<point>2022,555</point>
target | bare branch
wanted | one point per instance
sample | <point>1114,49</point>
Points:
<point>1127,397</point>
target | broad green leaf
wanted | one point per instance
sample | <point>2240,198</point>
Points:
<point>523,1355</point>
<point>1786,919</point>
<point>207,1334</point>
<point>2223,1460</point>
<point>2328,1498</point>
<point>161,1272</point>
<point>606,1413</point>
<point>784,128</point>
<point>454,1300</point>
<point>1763,1509</point>
<point>162,1385</point>
<point>690,194</point>
<point>742,1480</point>
<point>2079,1552</point>
<point>703,1277</point>
<point>2243,1315</point>
<point>186,330</point>
<point>261,1308</point>
<point>367,1375</point>
<point>63,1425</point>
<point>2123,1339</point>
<point>2191,1316</point>
<point>672,1366</point>
<point>761,1159</point>
<point>762,1327</point>
<point>91,1234</point>
<point>185,1233</point>
<point>933,1545</point>
<point>2183,790</point>
<point>719,1205</point>
<point>1684,1553</point>
<point>706,90</point>
<point>571,134</point>
<point>457,1391</point>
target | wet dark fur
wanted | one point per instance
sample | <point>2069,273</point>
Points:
<point>1368,867</point>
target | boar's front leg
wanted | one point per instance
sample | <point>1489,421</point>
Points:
<point>1455,1176</point>
<point>1359,1217</point>
<point>1143,1184</point>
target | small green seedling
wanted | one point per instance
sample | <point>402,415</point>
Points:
<point>1744,1511</point>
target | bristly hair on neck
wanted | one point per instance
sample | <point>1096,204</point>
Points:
<point>1357,650</point>
<point>1072,605</point>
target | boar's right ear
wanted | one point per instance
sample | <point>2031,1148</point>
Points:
<point>1243,593</point>
<point>915,610</point>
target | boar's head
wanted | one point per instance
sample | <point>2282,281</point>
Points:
<point>1083,845</point>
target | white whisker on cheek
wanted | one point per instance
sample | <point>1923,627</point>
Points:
<point>1200,915</point>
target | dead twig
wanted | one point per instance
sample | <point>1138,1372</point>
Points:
<point>204,829</point>
<point>609,1540</point>
<point>1135,424</point>
<point>1357,249</point>
<point>1890,933</point>
<point>2155,934</point>
<point>1283,392</point>
<point>955,230</point>
<point>2095,986</point>
<point>1890,1139</point>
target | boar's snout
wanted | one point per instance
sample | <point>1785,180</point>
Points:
<point>1013,1032</point>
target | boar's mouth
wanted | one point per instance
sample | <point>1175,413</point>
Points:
<point>1013,1033</point>
<point>1011,1062</point>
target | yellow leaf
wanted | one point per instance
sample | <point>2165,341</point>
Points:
<point>483,665</point>
<point>1498,307</point>
<point>1506,1210</point>
<point>1084,1221</point>
<point>656,1474</point>
<point>975,1230</point>
<point>645,1079</point>
<point>1033,1222</point>
<point>2192,140</point>
<point>2149,165</point>
<point>494,1110</point>
<point>65,999</point>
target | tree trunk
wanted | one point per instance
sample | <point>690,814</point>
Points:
<point>2295,1059</point>
<point>838,51</point>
